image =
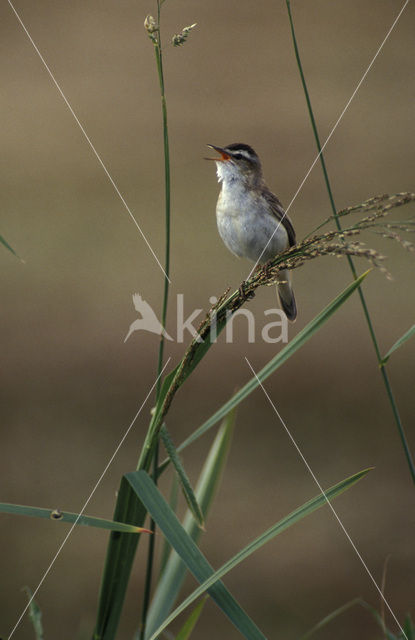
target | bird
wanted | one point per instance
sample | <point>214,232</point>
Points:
<point>250,218</point>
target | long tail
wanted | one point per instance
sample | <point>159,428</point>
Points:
<point>286,295</point>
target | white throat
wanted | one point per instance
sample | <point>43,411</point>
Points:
<point>227,172</point>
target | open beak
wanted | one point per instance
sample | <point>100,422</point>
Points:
<point>224,156</point>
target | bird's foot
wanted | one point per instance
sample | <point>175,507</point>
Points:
<point>267,269</point>
<point>243,293</point>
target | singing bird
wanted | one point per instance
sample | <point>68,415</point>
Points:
<point>251,220</point>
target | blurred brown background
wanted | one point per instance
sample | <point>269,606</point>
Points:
<point>70,385</point>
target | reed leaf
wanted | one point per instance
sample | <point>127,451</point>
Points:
<point>173,576</point>
<point>294,345</point>
<point>56,515</point>
<point>35,615</point>
<point>189,625</point>
<point>185,484</point>
<point>408,197</point>
<point>185,547</point>
<point>4,242</point>
<point>195,561</point>
<point>120,555</point>
<point>408,334</point>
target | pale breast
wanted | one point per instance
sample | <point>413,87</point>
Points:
<point>247,226</point>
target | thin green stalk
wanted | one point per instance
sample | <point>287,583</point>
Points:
<point>151,547</point>
<point>384,374</point>
<point>159,63</point>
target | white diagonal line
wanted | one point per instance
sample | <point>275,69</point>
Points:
<point>87,138</point>
<point>87,501</point>
<point>331,133</point>
<point>300,453</point>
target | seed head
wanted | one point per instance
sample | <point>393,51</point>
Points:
<point>152,28</point>
<point>180,38</point>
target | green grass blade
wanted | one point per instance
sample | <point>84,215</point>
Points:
<point>116,573</point>
<point>279,527</point>
<point>35,615</point>
<point>182,543</point>
<point>154,442</point>
<point>186,486</point>
<point>334,614</point>
<point>378,618</point>
<point>189,625</point>
<point>408,334</point>
<point>65,516</point>
<point>6,244</point>
<point>121,548</point>
<point>408,627</point>
<point>385,377</point>
<point>296,343</point>
<point>173,500</point>
<point>151,438</point>
<point>118,564</point>
<point>331,616</point>
<point>171,581</point>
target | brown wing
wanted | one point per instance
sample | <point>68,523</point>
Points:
<point>278,211</point>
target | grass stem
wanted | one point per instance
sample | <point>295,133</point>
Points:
<point>384,374</point>
<point>159,64</point>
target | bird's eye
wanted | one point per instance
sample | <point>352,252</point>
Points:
<point>238,156</point>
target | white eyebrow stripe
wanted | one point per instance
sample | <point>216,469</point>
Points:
<point>242,152</point>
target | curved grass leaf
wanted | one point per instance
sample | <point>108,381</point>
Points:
<point>35,615</point>
<point>65,516</point>
<point>173,575</point>
<point>152,433</point>
<point>408,334</point>
<point>189,625</point>
<point>121,548</point>
<point>332,616</point>
<point>196,562</point>
<point>165,552</point>
<point>408,197</point>
<point>6,244</point>
<point>296,343</point>
<point>120,555</point>
<point>408,629</point>
<point>279,527</point>
<point>186,486</point>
